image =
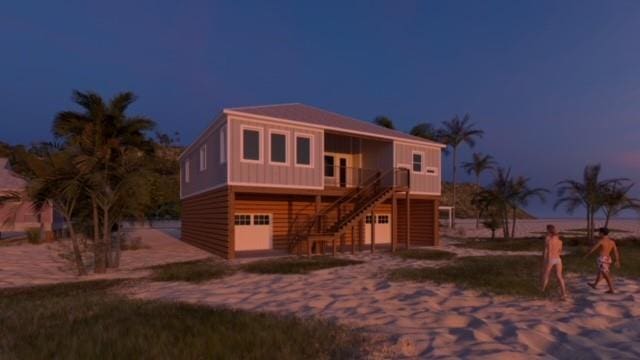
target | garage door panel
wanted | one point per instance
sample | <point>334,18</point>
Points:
<point>253,232</point>
<point>383,229</point>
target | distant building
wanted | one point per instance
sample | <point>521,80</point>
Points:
<point>20,215</point>
<point>298,178</point>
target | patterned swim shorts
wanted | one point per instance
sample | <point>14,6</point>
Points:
<point>604,264</point>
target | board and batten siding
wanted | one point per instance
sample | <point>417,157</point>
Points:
<point>215,173</point>
<point>263,172</point>
<point>422,182</point>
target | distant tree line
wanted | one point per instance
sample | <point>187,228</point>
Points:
<point>497,204</point>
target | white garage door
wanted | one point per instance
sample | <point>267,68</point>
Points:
<point>253,232</point>
<point>383,229</point>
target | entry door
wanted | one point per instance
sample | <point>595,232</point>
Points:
<point>342,172</point>
<point>383,228</point>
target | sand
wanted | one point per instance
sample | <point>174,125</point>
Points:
<point>524,228</point>
<point>423,320</point>
<point>405,319</point>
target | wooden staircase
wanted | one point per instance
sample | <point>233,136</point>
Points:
<point>352,208</point>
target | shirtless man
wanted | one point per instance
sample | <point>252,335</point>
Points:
<point>552,253</point>
<point>607,246</point>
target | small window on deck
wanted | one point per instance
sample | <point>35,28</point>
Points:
<point>278,148</point>
<point>329,166</point>
<point>303,150</point>
<point>251,145</point>
<point>417,162</point>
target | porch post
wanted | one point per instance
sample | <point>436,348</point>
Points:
<point>373,231</point>
<point>394,222</point>
<point>408,210</point>
<point>353,239</point>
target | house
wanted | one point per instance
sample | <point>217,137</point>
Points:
<point>19,216</point>
<point>297,178</point>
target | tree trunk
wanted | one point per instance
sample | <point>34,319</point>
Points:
<point>106,233</point>
<point>607,218</point>
<point>477,209</point>
<point>98,248</point>
<point>593,223</point>
<point>77,255</point>
<point>513,225</point>
<point>116,257</point>
<point>455,156</point>
<point>505,223</point>
<point>589,231</point>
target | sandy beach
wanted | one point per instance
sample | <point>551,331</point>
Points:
<point>404,319</point>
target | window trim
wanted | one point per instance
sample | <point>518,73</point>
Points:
<point>413,163</point>
<point>286,147</point>
<point>223,144</point>
<point>187,171</point>
<point>260,142</point>
<point>203,157</point>
<point>311,138</point>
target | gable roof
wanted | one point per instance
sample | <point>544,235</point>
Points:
<point>8,179</point>
<point>311,115</point>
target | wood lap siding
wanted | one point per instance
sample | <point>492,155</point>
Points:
<point>423,229</point>
<point>205,222</point>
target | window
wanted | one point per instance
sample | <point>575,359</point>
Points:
<point>417,162</point>
<point>261,220</point>
<point>223,144</point>
<point>278,148</point>
<point>242,220</point>
<point>329,166</point>
<point>383,219</point>
<point>367,219</point>
<point>187,166</point>
<point>303,150</point>
<point>251,144</point>
<point>203,158</point>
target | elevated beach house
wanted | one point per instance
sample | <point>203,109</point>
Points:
<point>297,178</point>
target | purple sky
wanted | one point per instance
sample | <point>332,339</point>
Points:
<point>555,84</point>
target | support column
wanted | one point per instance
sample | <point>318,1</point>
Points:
<point>318,225</point>
<point>353,239</point>
<point>408,210</point>
<point>394,222</point>
<point>436,223</point>
<point>231,198</point>
<point>373,231</point>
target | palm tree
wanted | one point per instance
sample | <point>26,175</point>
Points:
<point>454,133</point>
<point>102,132</point>
<point>426,131</point>
<point>588,193</point>
<point>384,122</point>
<point>59,182</point>
<point>615,199</point>
<point>521,193</point>
<point>479,163</point>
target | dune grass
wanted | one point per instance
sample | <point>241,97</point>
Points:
<point>191,271</point>
<point>514,274</point>
<point>502,275</point>
<point>87,321</point>
<point>296,265</point>
<point>425,254</point>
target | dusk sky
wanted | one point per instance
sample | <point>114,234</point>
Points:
<point>555,84</point>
